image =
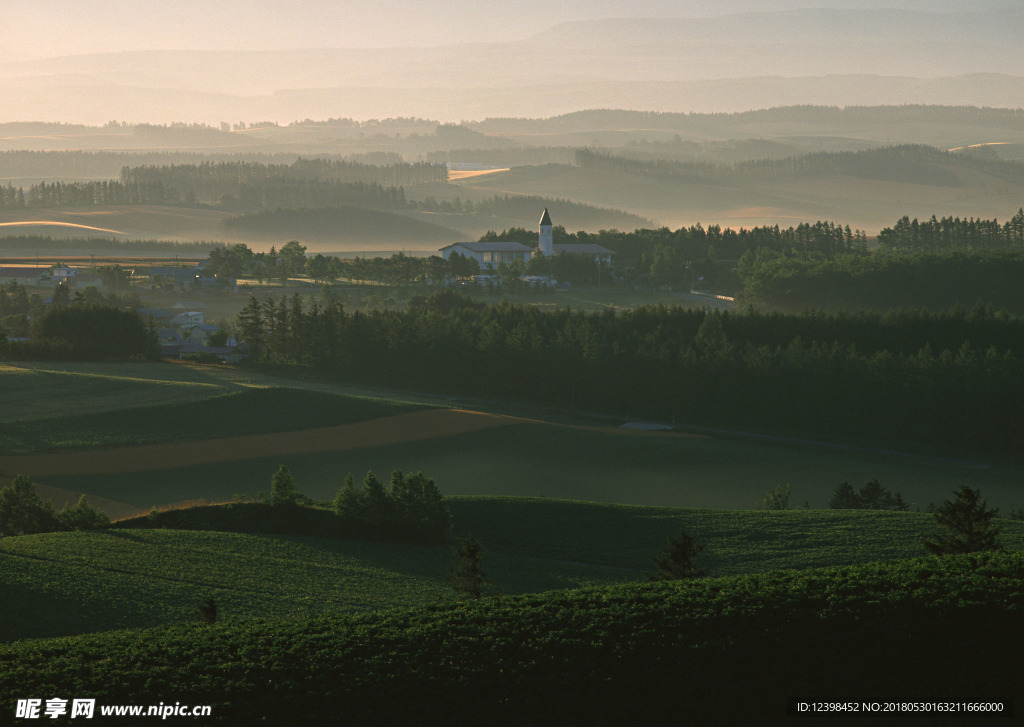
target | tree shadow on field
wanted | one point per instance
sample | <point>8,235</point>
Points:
<point>124,534</point>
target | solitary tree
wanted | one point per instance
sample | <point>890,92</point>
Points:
<point>966,524</point>
<point>282,488</point>
<point>678,560</point>
<point>467,577</point>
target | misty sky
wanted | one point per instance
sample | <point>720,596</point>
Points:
<point>49,28</point>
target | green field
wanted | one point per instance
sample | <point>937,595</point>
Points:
<point>123,404</point>
<point>31,391</point>
<point>238,413</point>
<point>728,650</point>
<point>68,583</point>
<point>549,460</point>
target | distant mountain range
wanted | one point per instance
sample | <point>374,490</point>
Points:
<point>730,63</point>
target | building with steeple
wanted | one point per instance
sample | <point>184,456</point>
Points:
<point>545,241</point>
<point>489,255</point>
<point>546,246</point>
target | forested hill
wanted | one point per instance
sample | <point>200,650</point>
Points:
<point>923,124</point>
<point>910,164</point>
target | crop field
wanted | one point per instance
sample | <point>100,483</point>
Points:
<point>250,412</point>
<point>502,456</point>
<point>145,435</point>
<point>133,221</point>
<point>652,653</point>
<point>41,390</point>
<point>67,583</point>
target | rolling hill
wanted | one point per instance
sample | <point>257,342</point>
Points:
<point>120,579</point>
<point>737,650</point>
<point>241,432</point>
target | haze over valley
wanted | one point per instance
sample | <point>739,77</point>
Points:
<point>723,291</point>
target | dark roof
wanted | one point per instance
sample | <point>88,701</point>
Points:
<point>492,246</point>
<point>582,249</point>
<point>545,218</point>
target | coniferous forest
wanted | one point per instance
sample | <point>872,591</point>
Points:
<point>950,381</point>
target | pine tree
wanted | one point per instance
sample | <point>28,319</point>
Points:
<point>282,488</point>
<point>346,502</point>
<point>678,560</point>
<point>82,516</point>
<point>844,498</point>
<point>468,578</point>
<point>966,524</point>
<point>375,505</point>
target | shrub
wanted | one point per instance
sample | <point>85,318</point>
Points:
<point>778,498</point>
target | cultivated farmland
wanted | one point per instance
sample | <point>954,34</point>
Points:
<point>240,427</point>
<point>60,584</point>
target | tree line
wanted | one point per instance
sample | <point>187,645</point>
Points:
<point>250,184</point>
<point>952,233</point>
<point>880,282</point>
<point>87,329</point>
<point>840,376</point>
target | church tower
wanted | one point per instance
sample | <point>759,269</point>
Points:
<point>545,240</point>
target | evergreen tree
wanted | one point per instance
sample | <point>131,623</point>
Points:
<point>844,498</point>
<point>467,577</point>
<point>678,560</point>
<point>82,516</point>
<point>966,523</point>
<point>346,502</point>
<point>374,503</point>
<point>282,488</point>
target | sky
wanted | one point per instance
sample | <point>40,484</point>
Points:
<point>52,28</point>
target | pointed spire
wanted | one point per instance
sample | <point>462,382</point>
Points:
<point>545,219</point>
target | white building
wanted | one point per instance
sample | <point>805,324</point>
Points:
<point>489,254</point>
